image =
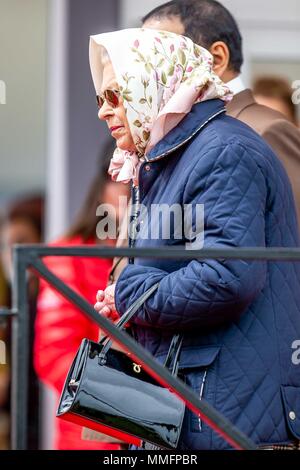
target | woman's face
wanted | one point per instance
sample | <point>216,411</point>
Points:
<point>115,116</point>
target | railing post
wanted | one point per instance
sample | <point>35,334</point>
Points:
<point>20,353</point>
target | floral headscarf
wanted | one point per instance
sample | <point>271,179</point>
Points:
<point>161,75</point>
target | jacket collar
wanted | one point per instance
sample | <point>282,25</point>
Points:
<point>239,102</point>
<point>199,116</point>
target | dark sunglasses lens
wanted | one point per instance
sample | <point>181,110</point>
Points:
<point>100,101</point>
<point>112,98</point>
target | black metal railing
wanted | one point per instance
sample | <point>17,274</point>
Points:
<point>30,257</point>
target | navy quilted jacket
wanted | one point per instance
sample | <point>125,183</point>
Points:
<point>240,319</point>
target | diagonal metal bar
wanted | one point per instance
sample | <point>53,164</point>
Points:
<point>211,416</point>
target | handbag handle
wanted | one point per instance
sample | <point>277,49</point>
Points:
<point>174,354</point>
<point>106,342</point>
<point>176,343</point>
<point>135,306</point>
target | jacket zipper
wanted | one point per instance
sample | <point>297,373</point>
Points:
<point>201,396</point>
<point>132,234</point>
<point>134,217</point>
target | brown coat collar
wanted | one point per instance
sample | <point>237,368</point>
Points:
<point>239,102</point>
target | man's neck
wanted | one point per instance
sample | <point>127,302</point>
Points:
<point>236,85</point>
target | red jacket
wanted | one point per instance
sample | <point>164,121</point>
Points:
<point>60,327</point>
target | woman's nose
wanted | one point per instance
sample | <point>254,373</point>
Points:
<point>105,111</point>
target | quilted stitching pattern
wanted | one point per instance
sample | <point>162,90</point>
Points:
<point>251,308</point>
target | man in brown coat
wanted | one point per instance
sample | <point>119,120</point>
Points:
<point>211,25</point>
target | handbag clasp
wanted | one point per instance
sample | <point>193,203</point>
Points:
<point>137,368</point>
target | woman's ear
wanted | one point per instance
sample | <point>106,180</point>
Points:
<point>221,55</point>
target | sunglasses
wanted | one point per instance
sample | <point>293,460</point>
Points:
<point>112,97</point>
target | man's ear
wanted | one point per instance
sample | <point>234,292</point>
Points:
<point>221,56</point>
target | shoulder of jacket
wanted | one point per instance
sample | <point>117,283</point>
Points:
<point>233,136</point>
<point>231,151</point>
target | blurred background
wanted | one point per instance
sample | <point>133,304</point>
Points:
<point>50,137</point>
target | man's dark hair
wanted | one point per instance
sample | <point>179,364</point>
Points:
<point>205,22</point>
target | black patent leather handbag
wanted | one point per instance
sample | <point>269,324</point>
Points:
<point>108,392</point>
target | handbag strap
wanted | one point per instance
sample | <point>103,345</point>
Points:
<point>136,306</point>
<point>106,342</point>
<point>176,343</point>
<point>173,355</point>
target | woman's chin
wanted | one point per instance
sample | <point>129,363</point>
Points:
<point>124,144</point>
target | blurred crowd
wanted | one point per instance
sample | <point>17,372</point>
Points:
<point>276,92</point>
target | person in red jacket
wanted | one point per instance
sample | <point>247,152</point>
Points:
<point>60,326</point>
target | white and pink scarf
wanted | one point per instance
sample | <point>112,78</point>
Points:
<point>161,75</point>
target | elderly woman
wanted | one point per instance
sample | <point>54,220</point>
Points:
<point>239,319</point>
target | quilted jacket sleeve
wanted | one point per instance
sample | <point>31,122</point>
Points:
<point>232,187</point>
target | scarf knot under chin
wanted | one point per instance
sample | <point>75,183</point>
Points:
<point>124,166</point>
